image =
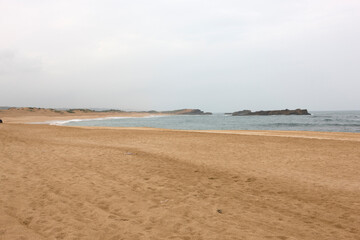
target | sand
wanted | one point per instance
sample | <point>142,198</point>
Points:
<point>30,115</point>
<point>61,182</point>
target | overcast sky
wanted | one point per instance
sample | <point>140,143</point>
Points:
<point>217,55</point>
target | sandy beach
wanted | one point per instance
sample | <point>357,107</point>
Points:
<point>120,120</point>
<point>31,115</point>
<point>115,183</point>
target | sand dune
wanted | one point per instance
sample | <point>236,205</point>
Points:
<point>93,183</point>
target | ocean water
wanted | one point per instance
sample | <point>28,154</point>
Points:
<point>337,121</point>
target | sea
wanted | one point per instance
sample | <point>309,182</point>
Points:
<point>324,121</point>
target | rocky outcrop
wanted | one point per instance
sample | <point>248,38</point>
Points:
<point>272,112</point>
<point>195,112</point>
<point>187,112</point>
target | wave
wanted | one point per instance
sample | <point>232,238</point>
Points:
<point>311,124</point>
<point>321,116</point>
<point>63,122</point>
<point>82,120</point>
<point>344,125</point>
<point>288,124</point>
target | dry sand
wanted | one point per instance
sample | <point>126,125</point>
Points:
<point>95,183</point>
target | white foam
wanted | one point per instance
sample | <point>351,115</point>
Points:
<point>58,122</point>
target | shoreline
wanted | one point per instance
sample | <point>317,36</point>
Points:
<point>343,136</point>
<point>27,114</point>
<point>19,118</point>
<point>61,122</point>
<point>51,117</point>
<point>52,121</point>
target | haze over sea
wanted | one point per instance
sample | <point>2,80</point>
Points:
<point>334,121</point>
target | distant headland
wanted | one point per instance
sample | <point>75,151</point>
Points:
<point>188,112</point>
<point>271,112</point>
<point>185,111</point>
<point>34,114</point>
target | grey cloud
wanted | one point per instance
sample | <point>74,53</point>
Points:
<point>217,55</point>
<point>12,64</point>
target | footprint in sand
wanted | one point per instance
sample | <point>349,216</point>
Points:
<point>252,179</point>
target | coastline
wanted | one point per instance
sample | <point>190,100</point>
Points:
<point>37,115</point>
<point>59,120</point>
<point>335,123</point>
<point>62,122</point>
<point>23,116</point>
<point>339,136</point>
<point>143,183</point>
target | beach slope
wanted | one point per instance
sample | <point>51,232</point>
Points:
<point>95,183</point>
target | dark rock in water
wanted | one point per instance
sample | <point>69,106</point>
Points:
<point>272,112</point>
<point>188,112</point>
<point>1,121</point>
<point>242,113</point>
<point>196,112</point>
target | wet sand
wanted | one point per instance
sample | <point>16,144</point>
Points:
<point>96,183</point>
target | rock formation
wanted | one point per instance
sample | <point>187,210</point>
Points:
<point>195,112</point>
<point>272,112</point>
<point>187,112</point>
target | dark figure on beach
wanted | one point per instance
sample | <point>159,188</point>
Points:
<point>1,121</point>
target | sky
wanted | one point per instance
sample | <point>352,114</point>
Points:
<point>216,55</point>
